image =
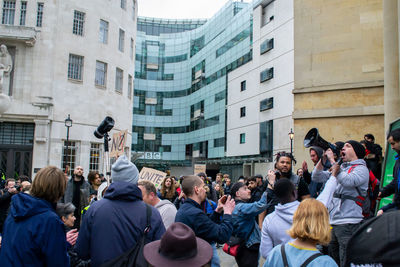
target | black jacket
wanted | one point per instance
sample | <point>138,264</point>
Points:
<point>5,201</point>
<point>393,188</point>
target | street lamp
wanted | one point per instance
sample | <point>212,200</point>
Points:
<point>68,124</point>
<point>291,137</point>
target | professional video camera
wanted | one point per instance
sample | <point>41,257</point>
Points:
<point>102,132</point>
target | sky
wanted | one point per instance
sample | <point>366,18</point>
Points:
<point>180,9</point>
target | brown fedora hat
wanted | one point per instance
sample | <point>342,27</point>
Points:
<point>178,247</point>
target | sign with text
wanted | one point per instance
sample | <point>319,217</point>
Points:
<point>152,175</point>
<point>118,144</point>
<point>199,168</point>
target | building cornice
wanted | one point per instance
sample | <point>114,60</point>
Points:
<point>340,86</point>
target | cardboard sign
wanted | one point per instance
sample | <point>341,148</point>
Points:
<point>199,168</point>
<point>118,144</point>
<point>152,175</point>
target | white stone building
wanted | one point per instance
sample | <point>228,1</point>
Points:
<point>70,57</point>
<point>260,99</point>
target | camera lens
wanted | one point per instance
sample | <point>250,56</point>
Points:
<point>105,126</point>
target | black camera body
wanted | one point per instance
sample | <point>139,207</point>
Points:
<point>105,126</point>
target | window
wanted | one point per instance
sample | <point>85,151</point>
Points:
<point>22,17</point>
<point>75,67</point>
<point>95,152</point>
<point>242,86</point>
<point>267,13</point>
<point>121,40</point>
<point>266,134</point>
<point>266,46</point>
<point>242,138</point>
<point>39,15</point>
<point>123,4</point>
<point>79,19</point>
<point>131,50</point>
<point>103,32</point>
<point>267,75</point>
<point>242,111</point>
<point>101,74</point>
<point>8,12</point>
<point>130,86</point>
<point>119,74</point>
<point>219,96</point>
<point>69,156</point>
<point>267,104</point>
<point>219,142</point>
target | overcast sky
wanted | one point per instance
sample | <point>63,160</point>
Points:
<point>180,9</point>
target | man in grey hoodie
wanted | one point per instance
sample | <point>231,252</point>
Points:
<point>165,207</point>
<point>349,182</point>
<point>278,222</point>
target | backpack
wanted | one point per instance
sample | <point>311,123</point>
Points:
<point>134,256</point>
<point>368,201</point>
<point>305,263</point>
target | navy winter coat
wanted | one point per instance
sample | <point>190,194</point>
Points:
<point>113,225</point>
<point>191,214</point>
<point>33,234</point>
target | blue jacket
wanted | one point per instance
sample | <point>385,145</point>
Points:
<point>244,223</point>
<point>33,234</point>
<point>191,214</point>
<point>113,225</point>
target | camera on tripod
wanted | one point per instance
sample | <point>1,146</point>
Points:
<point>102,132</point>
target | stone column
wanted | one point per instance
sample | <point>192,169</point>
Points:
<point>391,61</point>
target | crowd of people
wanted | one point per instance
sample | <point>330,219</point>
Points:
<point>302,218</point>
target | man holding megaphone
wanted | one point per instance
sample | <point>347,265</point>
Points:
<point>344,194</point>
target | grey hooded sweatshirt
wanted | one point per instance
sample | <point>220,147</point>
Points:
<point>352,175</point>
<point>275,226</point>
<point>167,211</point>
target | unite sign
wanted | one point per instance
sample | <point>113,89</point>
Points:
<point>152,175</point>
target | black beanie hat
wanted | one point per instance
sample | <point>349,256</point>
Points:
<point>358,148</point>
<point>235,187</point>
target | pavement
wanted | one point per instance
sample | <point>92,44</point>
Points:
<point>229,261</point>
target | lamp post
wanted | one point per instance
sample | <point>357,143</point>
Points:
<point>68,124</point>
<point>291,137</point>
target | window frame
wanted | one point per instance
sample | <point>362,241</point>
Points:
<point>119,80</point>
<point>104,71</point>
<point>8,12</point>
<point>242,138</point>
<point>39,14</point>
<point>78,24</point>
<point>243,86</point>
<point>121,40</point>
<point>103,31</point>
<point>79,68</point>
<point>243,112</point>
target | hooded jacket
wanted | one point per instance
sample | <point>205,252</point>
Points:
<point>33,234</point>
<point>346,211</point>
<point>114,224</point>
<point>167,211</point>
<point>275,226</point>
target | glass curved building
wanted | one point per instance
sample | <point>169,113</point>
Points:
<point>181,67</point>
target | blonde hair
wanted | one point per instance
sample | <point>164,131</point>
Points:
<point>311,222</point>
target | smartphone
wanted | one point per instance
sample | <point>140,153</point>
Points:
<point>223,199</point>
